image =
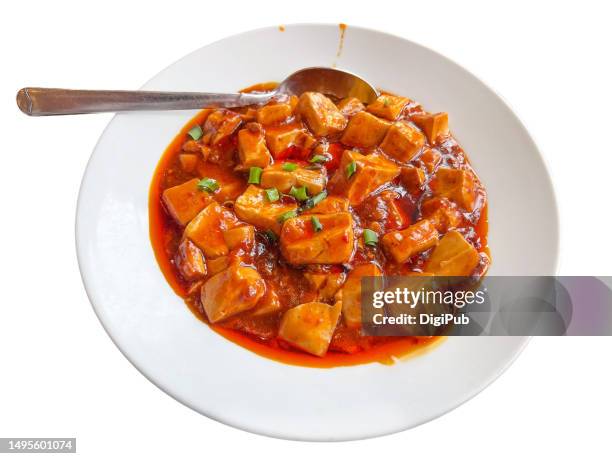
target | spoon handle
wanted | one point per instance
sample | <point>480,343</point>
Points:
<point>49,101</point>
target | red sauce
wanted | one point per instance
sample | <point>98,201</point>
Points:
<point>348,347</point>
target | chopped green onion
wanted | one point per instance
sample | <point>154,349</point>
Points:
<point>287,215</point>
<point>195,132</point>
<point>270,235</point>
<point>289,167</point>
<point>319,159</point>
<point>316,199</point>
<point>255,175</point>
<point>301,194</point>
<point>316,224</point>
<point>208,184</point>
<point>272,194</point>
<point>351,169</point>
<point>370,237</point>
<point>386,102</point>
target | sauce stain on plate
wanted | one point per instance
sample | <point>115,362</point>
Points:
<point>342,28</point>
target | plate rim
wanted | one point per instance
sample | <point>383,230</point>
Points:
<point>521,345</point>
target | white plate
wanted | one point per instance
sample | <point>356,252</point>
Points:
<point>160,336</point>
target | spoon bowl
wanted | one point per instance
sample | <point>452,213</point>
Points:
<point>329,81</point>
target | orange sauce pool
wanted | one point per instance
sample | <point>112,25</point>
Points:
<point>384,352</point>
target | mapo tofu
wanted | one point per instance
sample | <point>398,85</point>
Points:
<point>265,219</point>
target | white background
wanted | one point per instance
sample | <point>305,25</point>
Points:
<point>60,375</point>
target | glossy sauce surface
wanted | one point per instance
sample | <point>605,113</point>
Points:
<point>260,334</point>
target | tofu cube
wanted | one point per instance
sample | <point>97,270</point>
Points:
<point>403,244</point>
<point>220,125</point>
<point>293,101</point>
<point>333,244</point>
<point>316,280</point>
<point>329,205</point>
<point>430,158</point>
<point>190,261</point>
<point>231,184</point>
<point>250,114</point>
<point>458,185</point>
<point>252,149</point>
<point>216,265</point>
<point>273,114</point>
<point>321,114</point>
<point>183,202</point>
<point>388,107</point>
<point>435,125</point>
<point>234,290</point>
<point>392,214</point>
<point>268,304</point>
<point>279,139</point>
<point>350,106</point>
<point>189,162</point>
<point>351,293</point>
<point>310,327</point>
<point>326,284</point>
<point>242,237</point>
<point>365,130</point>
<point>444,214</point>
<point>372,172</point>
<point>275,176</point>
<point>207,228</point>
<point>413,178</point>
<point>254,207</point>
<point>402,142</point>
<point>454,256</point>
<point>314,180</point>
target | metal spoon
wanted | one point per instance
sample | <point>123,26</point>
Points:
<point>49,101</point>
